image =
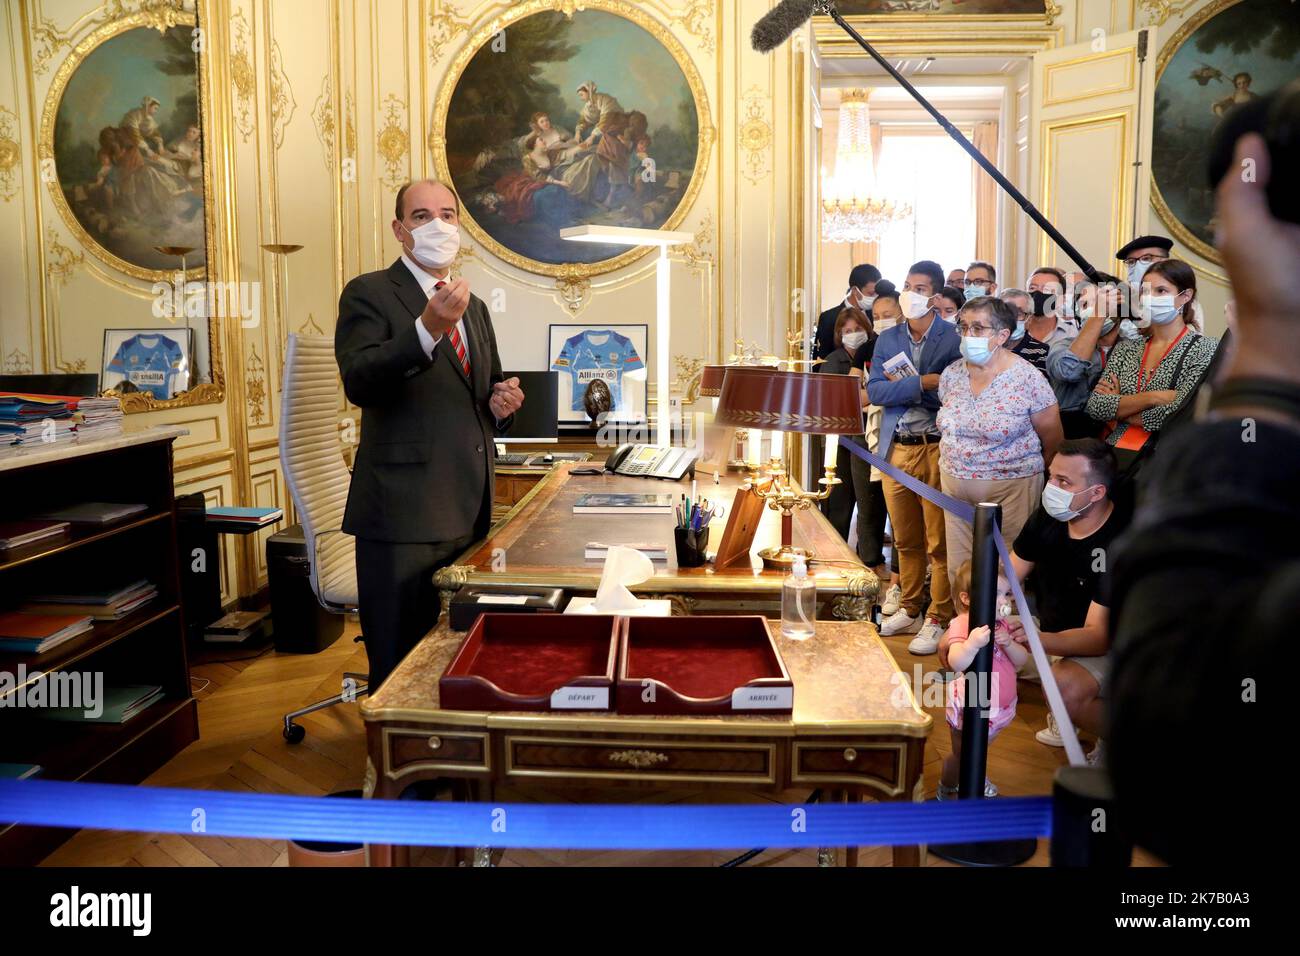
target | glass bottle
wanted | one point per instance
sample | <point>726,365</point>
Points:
<point>798,602</point>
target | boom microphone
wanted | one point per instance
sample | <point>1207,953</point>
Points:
<point>779,22</point>
<point>789,15</point>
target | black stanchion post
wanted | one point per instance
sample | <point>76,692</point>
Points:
<point>978,676</point>
<point>979,699</point>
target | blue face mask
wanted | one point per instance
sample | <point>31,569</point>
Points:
<point>1019,333</point>
<point>975,349</point>
<point>1127,330</point>
<point>975,291</point>
<point>1137,271</point>
<point>1106,325</point>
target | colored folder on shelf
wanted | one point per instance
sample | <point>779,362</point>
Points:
<point>15,534</point>
<point>254,516</point>
<point>120,704</point>
<point>95,512</point>
<point>37,633</point>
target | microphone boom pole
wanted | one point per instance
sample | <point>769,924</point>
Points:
<point>828,8</point>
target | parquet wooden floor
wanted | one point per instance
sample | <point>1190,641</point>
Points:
<point>240,711</point>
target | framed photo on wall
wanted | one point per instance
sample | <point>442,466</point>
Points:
<point>615,355</point>
<point>156,361</point>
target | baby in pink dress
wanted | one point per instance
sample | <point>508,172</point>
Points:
<point>962,647</point>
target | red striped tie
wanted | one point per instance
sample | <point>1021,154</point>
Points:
<point>457,342</point>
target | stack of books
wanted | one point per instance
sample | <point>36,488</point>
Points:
<point>252,517</point>
<point>102,604</point>
<point>236,627</point>
<point>31,419</point>
<point>120,705</point>
<point>97,417</point>
<point>38,633</point>
<point>16,534</point>
<point>94,512</point>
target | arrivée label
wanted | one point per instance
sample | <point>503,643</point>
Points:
<point>762,698</point>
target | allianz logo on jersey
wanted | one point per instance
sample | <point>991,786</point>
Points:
<point>77,909</point>
<point>209,300</point>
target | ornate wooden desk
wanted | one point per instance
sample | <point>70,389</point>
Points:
<point>542,542</point>
<point>856,731</point>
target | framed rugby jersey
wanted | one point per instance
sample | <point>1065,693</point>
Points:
<point>613,354</point>
<point>156,361</point>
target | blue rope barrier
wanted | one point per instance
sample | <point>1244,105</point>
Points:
<point>104,806</point>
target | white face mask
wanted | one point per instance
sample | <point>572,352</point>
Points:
<point>435,243</point>
<point>913,305</point>
<point>866,302</point>
<point>1136,271</point>
<point>853,340</point>
<point>1057,502</point>
<point>882,324</point>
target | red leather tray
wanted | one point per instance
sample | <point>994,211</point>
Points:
<point>534,662</point>
<point>701,665</point>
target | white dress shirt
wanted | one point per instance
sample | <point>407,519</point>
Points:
<point>428,283</point>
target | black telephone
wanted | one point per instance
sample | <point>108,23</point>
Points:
<point>651,461</point>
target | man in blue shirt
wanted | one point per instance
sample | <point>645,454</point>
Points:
<point>904,381</point>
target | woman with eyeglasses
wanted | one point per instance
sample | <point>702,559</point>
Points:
<point>1148,378</point>
<point>999,425</point>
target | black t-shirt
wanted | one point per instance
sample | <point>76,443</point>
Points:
<point>1069,573</point>
<point>1034,352</point>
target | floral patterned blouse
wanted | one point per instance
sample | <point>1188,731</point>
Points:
<point>991,436</point>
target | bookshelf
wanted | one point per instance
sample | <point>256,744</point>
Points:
<point>147,646</point>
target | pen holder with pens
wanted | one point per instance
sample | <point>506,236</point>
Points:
<point>691,545</point>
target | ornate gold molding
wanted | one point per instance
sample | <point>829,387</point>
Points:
<point>690,371</point>
<point>394,144</point>
<point>698,254</point>
<point>10,154</point>
<point>695,21</point>
<point>283,104</point>
<point>573,288</point>
<point>1158,12</point>
<point>255,386</point>
<point>59,259</point>
<point>243,78</point>
<point>755,135</point>
<point>444,26</point>
<point>322,117</point>
<point>18,362</point>
<point>437,140</point>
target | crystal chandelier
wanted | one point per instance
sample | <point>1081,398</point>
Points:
<point>850,212</point>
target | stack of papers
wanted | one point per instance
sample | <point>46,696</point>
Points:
<point>38,633</point>
<point>98,417</point>
<point>253,517</point>
<point>15,534</point>
<point>120,705</point>
<point>95,512</point>
<point>623,504</point>
<point>29,419</point>
<point>236,627</point>
<point>597,550</point>
<point>103,604</point>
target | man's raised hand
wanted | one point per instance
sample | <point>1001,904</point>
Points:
<point>445,307</point>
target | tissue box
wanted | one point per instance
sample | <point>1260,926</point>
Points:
<point>652,607</point>
<point>702,665</point>
<point>542,662</point>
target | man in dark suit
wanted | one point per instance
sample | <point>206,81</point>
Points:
<point>418,354</point>
<point>862,292</point>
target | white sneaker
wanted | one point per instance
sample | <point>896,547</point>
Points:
<point>1096,757</point>
<point>927,638</point>
<point>899,622</point>
<point>893,601</point>
<point>1051,734</point>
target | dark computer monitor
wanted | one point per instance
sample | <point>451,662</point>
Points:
<point>77,385</point>
<point>539,419</point>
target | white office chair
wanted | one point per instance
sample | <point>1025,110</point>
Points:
<point>318,480</point>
